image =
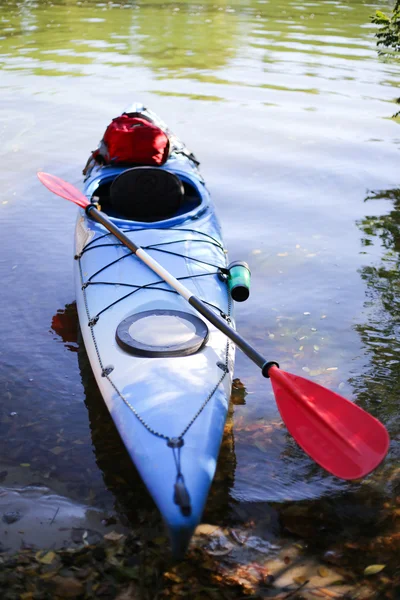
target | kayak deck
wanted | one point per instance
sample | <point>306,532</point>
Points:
<point>170,411</point>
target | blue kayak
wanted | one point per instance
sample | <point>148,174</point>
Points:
<point>164,373</point>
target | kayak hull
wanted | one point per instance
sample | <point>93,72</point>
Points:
<point>153,400</point>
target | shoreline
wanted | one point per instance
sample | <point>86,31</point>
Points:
<point>227,563</point>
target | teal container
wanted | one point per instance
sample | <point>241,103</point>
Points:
<point>239,280</point>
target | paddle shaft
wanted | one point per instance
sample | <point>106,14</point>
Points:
<point>197,304</point>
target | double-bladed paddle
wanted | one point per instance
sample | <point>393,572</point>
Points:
<point>336,433</point>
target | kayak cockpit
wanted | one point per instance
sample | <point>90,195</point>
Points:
<point>149,195</point>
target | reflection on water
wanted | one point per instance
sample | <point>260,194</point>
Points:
<point>168,39</point>
<point>289,151</point>
<point>379,387</point>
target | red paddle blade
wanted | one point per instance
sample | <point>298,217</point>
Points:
<point>63,188</point>
<point>340,436</point>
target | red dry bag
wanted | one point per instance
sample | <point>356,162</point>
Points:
<point>133,140</point>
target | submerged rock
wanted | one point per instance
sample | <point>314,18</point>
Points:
<point>11,517</point>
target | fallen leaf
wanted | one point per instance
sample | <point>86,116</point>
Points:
<point>114,536</point>
<point>352,545</point>
<point>373,569</point>
<point>173,577</point>
<point>330,593</point>
<point>220,552</point>
<point>47,558</point>
<point>205,529</point>
<point>48,575</point>
<point>300,580</point>
<point>323,572</point>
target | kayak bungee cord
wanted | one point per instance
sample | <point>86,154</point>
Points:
<point>339,435</point>
<point>181,493</point>
<point>136,229</point>
<point>89,281</point>
<point>156,247</point>
<point>150,286</point>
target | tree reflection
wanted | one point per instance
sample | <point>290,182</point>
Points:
<point>53,39</point>
<point>379,387</point>
<point>187,37</point>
